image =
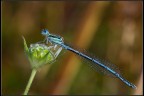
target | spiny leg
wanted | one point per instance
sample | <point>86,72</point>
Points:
<point>50,47</point>
<point>46,40</point>
<point>58,51</point>
<point>55,47</point>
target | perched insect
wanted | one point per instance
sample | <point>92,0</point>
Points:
<point>58,41</point>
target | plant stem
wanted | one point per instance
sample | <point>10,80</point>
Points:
<point>30,81</point>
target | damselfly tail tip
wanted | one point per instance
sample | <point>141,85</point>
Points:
<point>133,86</point>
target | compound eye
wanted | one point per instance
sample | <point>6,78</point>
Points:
<point>45,31</point>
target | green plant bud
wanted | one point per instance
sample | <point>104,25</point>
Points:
<point>38,54</point>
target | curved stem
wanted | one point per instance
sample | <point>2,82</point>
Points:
<point>30,81</point>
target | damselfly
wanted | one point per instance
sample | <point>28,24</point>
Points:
<point>57,40</point>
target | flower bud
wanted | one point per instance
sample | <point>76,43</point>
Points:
<point>38,54</point>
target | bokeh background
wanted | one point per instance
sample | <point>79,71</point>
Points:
<point>108,30</point>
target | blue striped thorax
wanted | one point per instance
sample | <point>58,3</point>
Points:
<point>52,38</point>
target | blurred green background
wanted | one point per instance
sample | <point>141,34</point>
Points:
<point>109,30</point>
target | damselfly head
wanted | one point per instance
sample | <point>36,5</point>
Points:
<point>45,32</point>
